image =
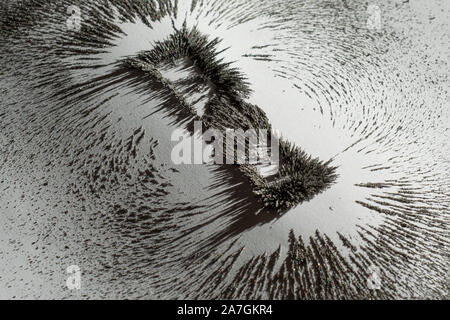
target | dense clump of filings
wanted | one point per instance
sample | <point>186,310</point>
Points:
<point>227,81</point>
<point>299,177</point>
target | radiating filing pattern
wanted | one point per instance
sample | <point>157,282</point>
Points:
<point>86,176</point>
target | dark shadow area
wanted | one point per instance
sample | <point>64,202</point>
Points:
<point>243,211</point>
